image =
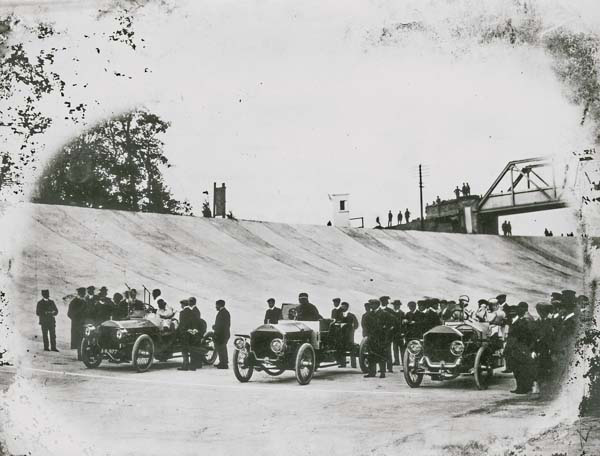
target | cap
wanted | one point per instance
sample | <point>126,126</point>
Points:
<point>336,299</point>
<point>103,289</point>
<point>568,294</point>
<point>384,298</point>
<point>482,301</point>
<point>303,295</point>
<point>397,302</point>
<point>220,302</point>
<point>192,300</point>
<point>45,291</point>
<point>91,287</point>
<point>271,300</point>
<point>523,305</point>
<point>556,295</point>
<point>374,301</point>
<point>345,304</point>
<point>81,289</point>
<point>501,297</point>
<point>184,301</point>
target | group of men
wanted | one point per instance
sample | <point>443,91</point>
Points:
<point>465,190</point>
<point>89,307</point>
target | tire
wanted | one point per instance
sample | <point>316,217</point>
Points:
<point>242,372</point>
<point>91,355</point>
<point>142,354</point>
<point>412,378</point>
<point>363,352</point>
<point>483,375</point>
<point>306,363</point>
<point>210,356</point>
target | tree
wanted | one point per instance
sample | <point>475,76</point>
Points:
<point>118,164</point>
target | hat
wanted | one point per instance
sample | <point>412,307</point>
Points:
<point>161,301</point>
<point>482,301</point>
<point>81,290</point>
<point>271,300</point>
<point>374,301</point>
<point>397,302</point>
<point>220,302</point>
<point>184,302</point>
<point>336,299</point>
<point>91,287</point>
<point>556,295</point>
<point>345,304</point>
<point>434,301</point>
<point>45,291</point>
<point>384,298</point>
<point>501,297</point>
<point>303,295</point>
<point>523,305</point>
<point>493,301</point>
<point>192,300</point>
<point>103,289</point>
<point>568,294</point>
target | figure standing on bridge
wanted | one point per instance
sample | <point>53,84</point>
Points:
<point>390,218</point>
<point>464,189</point>
<point>457,192</point>
<point>468,188</point>
<point>509,228</point>
<point>407,215</point>
<point>399,217</point>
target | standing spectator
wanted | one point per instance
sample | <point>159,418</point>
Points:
<point>509,228</point>
<point>407,215</point>
<point>349,324</point>
<point>399,217</point>
<point>104,307</point>
<point>468,188</point>
<point>390,218</point>
<point>76,312</point>
<point>222,334</point>
<point>398,336</point>
<point>46,311</point>
<point>336,312</point>
<point>376,329</point>
<point>90,306</point>
<point>389,320</point>
<point>457,192</point>
<point>363,319</point>
<point>189,327</point>
<point>377,221</point>
<point>464,189</point>
<point>273,314</point>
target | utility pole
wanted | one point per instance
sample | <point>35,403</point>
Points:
<point>421,195</point>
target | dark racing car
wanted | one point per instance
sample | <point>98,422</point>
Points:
<point>139,340</point>
<point>301,346</point>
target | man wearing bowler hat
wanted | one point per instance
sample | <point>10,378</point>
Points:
<point>222,334</point>
<point>46,310</point>
<point>273,314</point>
<point>76,312</point>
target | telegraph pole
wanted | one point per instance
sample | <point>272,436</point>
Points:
<point>421,195</point>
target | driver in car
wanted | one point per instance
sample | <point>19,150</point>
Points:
<point>307,311</point>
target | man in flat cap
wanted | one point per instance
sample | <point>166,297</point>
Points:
<point>222,334</point>
<point>398,336</point>
<point>389,322</point>
<point>76,312</point>
<point>104,306</point>
<point>189,327</point>
<point>336,312</point>
<point>411,328</point>
<point>273,314</point>
<point>90,305</point>
<point>376,328</point>
<point>307,311</point>
<point>46,310</point>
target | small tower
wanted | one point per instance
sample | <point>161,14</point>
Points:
<point>341,209</point>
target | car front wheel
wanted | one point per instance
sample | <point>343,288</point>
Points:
<point>241,368</point>
<point>91,354</point>
<point>209,354</point>
<point>483,368</point>
<point>411,370</point>
<point>306,363</point>
<point>142,354</point>
<point>363,353</point>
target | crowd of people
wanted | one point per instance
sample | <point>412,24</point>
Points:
<point>465,190</point>
<point>391,218</point>
<point>90,308</point>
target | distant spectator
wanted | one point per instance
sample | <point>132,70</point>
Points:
<point>377,221</point>
<point>509,228</point>
<point>468,188</point>
<point>407,215</point>
<point>438,200</point>
<point>399,217</point>
<point>546,232</point>
<point>390,218</point>
<point>329,223</point>
<point>464,189</point>
<point>457,192</point>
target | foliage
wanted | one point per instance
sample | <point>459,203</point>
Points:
<point>117,165</point>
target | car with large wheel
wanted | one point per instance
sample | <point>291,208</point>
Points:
<point>453,349</point>
<point>140,340</point>
<point>292,345</point>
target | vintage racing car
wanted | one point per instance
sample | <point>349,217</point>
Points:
<point>140,340</point>
<point>452,349</point>
<point>301,346</point>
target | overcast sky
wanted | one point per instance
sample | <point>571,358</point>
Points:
<point>287,102</point>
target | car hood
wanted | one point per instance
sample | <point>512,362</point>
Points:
<point>129,324</point>
<point>288,327</point>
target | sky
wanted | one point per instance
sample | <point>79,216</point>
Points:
<point>287,103</point>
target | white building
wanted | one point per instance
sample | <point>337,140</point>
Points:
<point>341,209</point>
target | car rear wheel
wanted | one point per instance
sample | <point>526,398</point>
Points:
<point>91,354</point>
<point>142,354</point>
<point>210,354</point>
<point>306,363</point>
<point>363,353</point>
<point>411,370</point>
<point>242,371</point>
<point>483,368</point>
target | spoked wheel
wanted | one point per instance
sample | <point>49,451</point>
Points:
<point>410,368</point>
<point>91,354</point>
<point>483,368</point>
<point>143,353</point>
<point>210,354</point>
<point>241,368</point>
<point>273,371</point>
<point>306,363</point>
<point>363,353</point>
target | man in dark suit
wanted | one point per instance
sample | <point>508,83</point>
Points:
<point>411,331</point>
<point>336,312</point>
<point>363,319</point>
<point>431,318</point>
<point>222,334</point>
<point>376,323</point>
<point>46,310</point>
<point>104,306</point>
<point>76,312</point>
<point>307,311</point>
<point>121,308</point>
<point>273,314</point>
<point>398,336</point>
<point>389,322</point>
<point>90,306</point>
<point>189,328</point>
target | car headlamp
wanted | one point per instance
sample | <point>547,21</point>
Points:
<point>457,348</point>
<point>239,343</point>
<point>121,333</point>
<point>414,347</point>
<point>88,330</point>
<point>277,345</point>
